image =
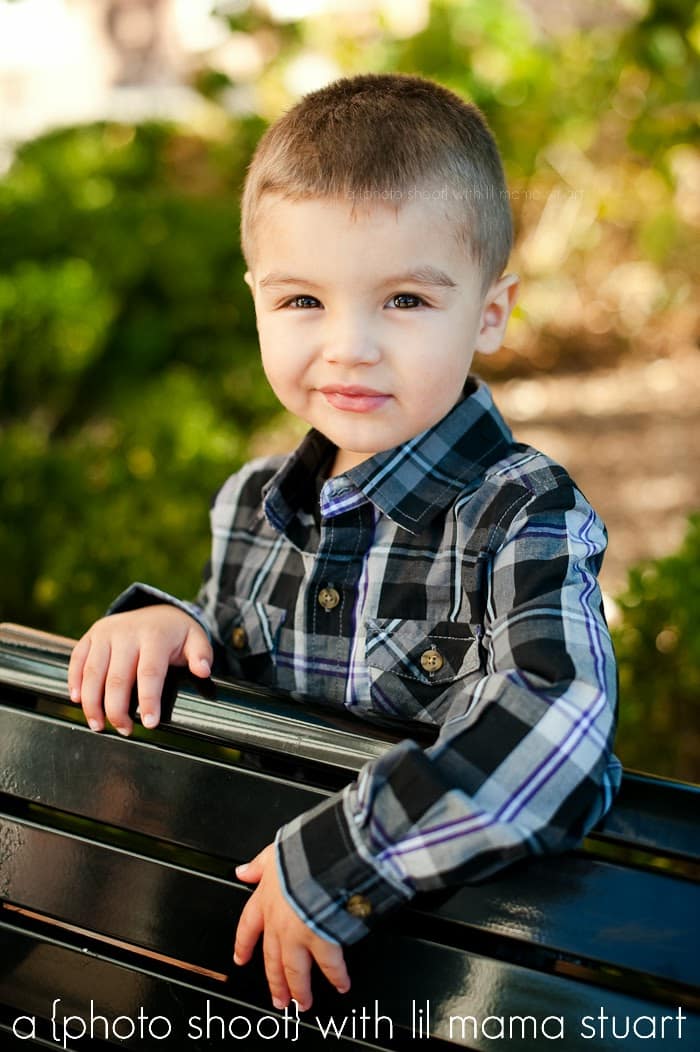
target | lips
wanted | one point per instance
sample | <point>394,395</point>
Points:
<point>354,399</point>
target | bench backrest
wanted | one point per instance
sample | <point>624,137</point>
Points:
<point>119,896</point>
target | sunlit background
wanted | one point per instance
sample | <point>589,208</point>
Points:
<point>130,385</point>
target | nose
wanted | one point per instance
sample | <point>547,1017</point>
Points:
<point>351,341</point>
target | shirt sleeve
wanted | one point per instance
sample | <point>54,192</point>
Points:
<point>138,595</point>
<point>523,764</point>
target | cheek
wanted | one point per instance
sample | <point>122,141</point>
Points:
<point>282,366</point>
<point>274,370</point>
<point>437,380</point>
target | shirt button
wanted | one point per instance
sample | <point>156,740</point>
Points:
<point>432,660</point>
<point>358,906</point>
<point>239,637</point>
<point>328,598</point>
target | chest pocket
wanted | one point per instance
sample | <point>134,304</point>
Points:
<point>249,631</point>
<point>413,663</point>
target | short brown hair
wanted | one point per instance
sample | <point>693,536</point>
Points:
<point>383,137</point>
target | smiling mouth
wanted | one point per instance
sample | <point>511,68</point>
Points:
<point>354,399</point>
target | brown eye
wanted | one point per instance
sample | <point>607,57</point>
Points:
<point>405,300</point>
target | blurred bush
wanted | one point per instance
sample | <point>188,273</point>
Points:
<point>658,649</point>
<point>129,375</point>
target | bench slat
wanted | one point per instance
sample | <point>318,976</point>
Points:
<point>454,984</point>
<point>44,968</point>
<point>97,884</point>
<point>651,814</point>
<point>655,814</point>
<point>121,895</point>
<point>230,710</point>
<point>543,904</point>
<point>191,800</point>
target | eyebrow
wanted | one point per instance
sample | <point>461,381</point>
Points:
<point>421,275</point>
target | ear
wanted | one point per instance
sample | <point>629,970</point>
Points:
<point>498,305</point>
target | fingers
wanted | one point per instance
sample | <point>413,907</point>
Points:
<point>331,961</point>
<point>150,676</point>
<point>289,946</point>
<point>288,973</point>
<point>252,871</point>
<point>92,684</point>
<point>288,969</point>
<point>250,927</point>
<point>75,668</point>
<point>100,676</point>
<point>198,653</point>
<point>118,684</point>
<point>134,648</point>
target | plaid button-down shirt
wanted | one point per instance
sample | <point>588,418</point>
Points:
<point>450,580</point>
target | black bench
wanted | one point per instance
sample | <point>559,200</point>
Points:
<point>119,900</point>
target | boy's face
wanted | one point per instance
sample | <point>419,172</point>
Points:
<point>368,320</point>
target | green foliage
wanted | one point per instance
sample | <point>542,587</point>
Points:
<point>129,375</point>
<point>658,648</point>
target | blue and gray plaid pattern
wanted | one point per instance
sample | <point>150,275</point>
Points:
<point>460,543</point>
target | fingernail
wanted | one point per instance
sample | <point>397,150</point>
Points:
<point>239,869</point>
<point>75,694</point>
<point>94,725</point>
<point>278,1003</point>
<point>123,731</point>
<point>149,720</point>
<point>205,666</point>
<point>236,959</point>
<point>343,989</point>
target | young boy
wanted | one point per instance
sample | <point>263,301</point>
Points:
<point>409,558</point>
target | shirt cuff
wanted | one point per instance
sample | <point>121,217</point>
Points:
<point>329,876</point>
<point>138,595</point>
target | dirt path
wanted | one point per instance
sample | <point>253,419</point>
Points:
<point>630,437</point>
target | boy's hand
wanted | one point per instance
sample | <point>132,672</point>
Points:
<point>289,945</point>
<point>134,647</point>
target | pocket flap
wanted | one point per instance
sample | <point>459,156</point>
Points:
<point>422,650</point>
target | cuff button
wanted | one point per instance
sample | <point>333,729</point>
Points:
<point>358,906</point>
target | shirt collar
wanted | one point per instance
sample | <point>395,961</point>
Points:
<point>411,483</point>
